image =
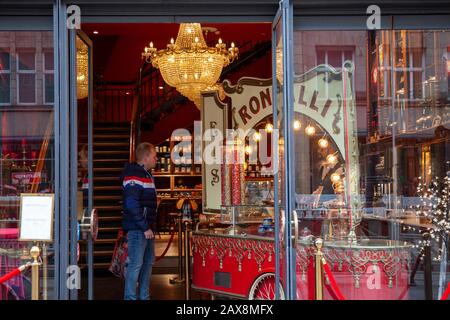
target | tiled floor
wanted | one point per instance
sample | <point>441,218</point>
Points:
<point>111,288</point>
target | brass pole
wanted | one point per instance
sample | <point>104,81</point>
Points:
<point>180,278</point>
<point>44,272</point>
<point>34,253</point>
<point>187,263</point>
<point>318,269</point>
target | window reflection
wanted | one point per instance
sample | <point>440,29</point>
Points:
<point>27,145</point>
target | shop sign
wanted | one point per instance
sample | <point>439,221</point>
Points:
<point>36,217</point>
<point>214,120</point>
<point>27,177</point>
<point>319,94</point>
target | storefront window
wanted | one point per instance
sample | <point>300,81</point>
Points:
<point>373,158</point>
<point>26,150</point>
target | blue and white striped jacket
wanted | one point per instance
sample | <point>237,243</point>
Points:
<point>139,198</point>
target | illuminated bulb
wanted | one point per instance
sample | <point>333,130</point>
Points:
<point>269,127</point>
<point>335,177</point>
<point>220,40</point>
<point>172,41</point>
<point>323,143</point>
<point>95,32</point>
<point>146,49</point>
<point>331,158</point>
<point>297,125</point>
<point>248,149</point>
<point>151,44</point>
<point>257,136</point>
<point>310,130</point>
<point>232,44</point>
<point>196,39</point>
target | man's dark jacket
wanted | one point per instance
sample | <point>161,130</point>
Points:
<point>139,198</point>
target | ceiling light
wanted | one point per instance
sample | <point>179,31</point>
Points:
<point>188,63</point>
<point>297,125</point>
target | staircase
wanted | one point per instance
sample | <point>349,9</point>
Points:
<point>111,152</point>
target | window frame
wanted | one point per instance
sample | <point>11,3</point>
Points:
<point>19,72</point>
<point>7,72</point>
<point>45,72</point>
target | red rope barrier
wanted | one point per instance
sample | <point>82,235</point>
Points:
<point>13,273</point>
<point>333,283</point>
<point>331,292</point>
<point>167,247</point>
<point>446,292</point>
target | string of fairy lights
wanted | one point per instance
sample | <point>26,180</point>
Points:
<point>434,207</point>
<point>310,130</point>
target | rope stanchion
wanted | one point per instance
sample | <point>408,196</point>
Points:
<point>167,247</point>
<point>14,273</point>
<point>446,293</point>
<point>333,283</point>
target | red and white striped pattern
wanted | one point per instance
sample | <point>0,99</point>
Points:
<point>144,182</point>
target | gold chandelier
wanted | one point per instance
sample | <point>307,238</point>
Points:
<point>188,64</point>
<point>82,69</point>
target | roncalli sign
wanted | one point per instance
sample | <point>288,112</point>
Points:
<point>323,94</point>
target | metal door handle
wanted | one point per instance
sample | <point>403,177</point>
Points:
<point>295,223</point>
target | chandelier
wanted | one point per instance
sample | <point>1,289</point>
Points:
<point>82,69</point>
<point>188,64</point>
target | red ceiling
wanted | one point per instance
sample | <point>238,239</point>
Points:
<point>117,47</point>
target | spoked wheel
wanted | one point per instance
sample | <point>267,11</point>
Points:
<point>263,288</point>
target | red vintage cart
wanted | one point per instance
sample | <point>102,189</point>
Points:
<point>243,266</point>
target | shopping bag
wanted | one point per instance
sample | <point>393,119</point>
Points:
<point>120,256</point>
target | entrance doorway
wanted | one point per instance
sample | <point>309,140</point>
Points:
<point>131,103</point>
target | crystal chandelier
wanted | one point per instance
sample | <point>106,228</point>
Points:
<point>188,64</point>
<point>82,69</point>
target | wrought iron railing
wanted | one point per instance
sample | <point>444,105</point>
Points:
<point>117,102</point>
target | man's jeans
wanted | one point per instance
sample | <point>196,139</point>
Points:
<point>141,255</point>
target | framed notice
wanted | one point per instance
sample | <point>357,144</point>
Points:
<point>36,217</point>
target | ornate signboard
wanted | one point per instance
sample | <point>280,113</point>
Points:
<point>322,94</point>
<point>214,117</point>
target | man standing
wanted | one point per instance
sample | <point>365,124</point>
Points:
<point>139,217</point>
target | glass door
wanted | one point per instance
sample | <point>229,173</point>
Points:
<point>285,223</point>
<point>82,217</point>
<point>371,160</point>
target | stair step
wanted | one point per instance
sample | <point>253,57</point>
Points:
<point>111,152</point>
<point>99,253</point>
<point>120,160</point>
<point>108,229</point>
<point>107,198</point>
<point>97,265</point>
<point>109,208</point>
<point>108,169</point>
<point>102,241</point>
<point>110,218</point>
<point>108,188</point>
<point>111,144</point>
<point>112,178</point>
<point>111,136</point>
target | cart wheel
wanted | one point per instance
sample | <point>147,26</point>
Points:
<point>263,288</point>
